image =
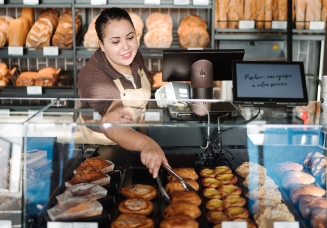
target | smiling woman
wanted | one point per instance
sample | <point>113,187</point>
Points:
<point>116,79</point>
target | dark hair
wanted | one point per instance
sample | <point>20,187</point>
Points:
<point>108,15</point>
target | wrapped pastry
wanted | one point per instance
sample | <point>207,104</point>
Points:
<point>95,163</point>
<point>176,186</point>
<point>140,191</point>
<point>210,182</point>
<point>136,206</point>
<point>92,176</point>
<point>85,190</point>
<point>227,178</point>
<point>188,196</point>
<point>179,221</point>
<point>295,178</point>
<point>132,220</point>
<point>308,190</point>
<point>183,173</point>
<point>215,204</point>
<point>212,193</point>
<point>75,208</point>
<point>181,208</point>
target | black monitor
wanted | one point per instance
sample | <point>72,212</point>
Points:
<point>177,63</point>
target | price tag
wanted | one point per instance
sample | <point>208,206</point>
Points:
<point>38,116</point>
<point>98,2</point>
<point>200,2</point>
<point>4,113</point>
<point>5,224</point>
<point>279,25</point>
<point>59,225</point>
<point>2,2</point>
<point>194,48</point>
<point>181,2</point>
<point>317,25</point>
<point>151,2</point>
<point>34,90</point>
<point>30,2</point>
<point>152,116</point>
<point>286,225</point>
<point>15,50</point>
<point>246,24</point>
<point>85,225</point>
<point>234,224</point>
<point>51,50</point>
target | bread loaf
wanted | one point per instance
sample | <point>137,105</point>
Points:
<point>268,13</point>
<point>2,38</point>
<point>300,6</point>
<point>40,34</point>
<point>295,178</point>
<point>309,190</point>
<point>52,15</point>
<point>6,18</point>
<point>63,36</point>
<point>18,30</point>
<point>260,14</point>
<point>234,13</point>
<point>26,78</point>
<point>221,13</point>
<point>138,25</point>
<point>91,41</point>
<point>249,10</point>
<point>159,20</point>
<point>324,11</point>
<point>4,27</point>
<point>29,14</point>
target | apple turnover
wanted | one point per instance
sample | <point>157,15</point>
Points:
<point>136,206</point>
<point>132,220</point>
<point>140,191</point>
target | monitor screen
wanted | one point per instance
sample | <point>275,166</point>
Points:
<point>177,63</point>
<point>269,83</point>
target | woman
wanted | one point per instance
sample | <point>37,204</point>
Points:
<point>117,71</point>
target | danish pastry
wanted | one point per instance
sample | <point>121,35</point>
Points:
<point>236,212</point>
<point>140,191</point>
<point>230,189</point>
<point>181,208</point>
<point>132,220</point>
<point>176,186</point>
<point>212,193</point>
<point>210,182</point>
<point>188,196</point>
<point>216,217</point>
<point>234,201</point>
<point>183,173</point>
<point>206,172</point>
<point>136,206</point>
<point>215,204</point>
<point>222,169</point>
<point>227,178</point>
<point>179,221</point>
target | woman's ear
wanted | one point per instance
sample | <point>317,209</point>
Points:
<point>101,46</point>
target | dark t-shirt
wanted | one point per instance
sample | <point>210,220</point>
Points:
<point>96,81</point>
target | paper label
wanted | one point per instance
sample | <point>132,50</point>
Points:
<point>151,2</point>
<point>181,2</point>
<point>246,24</point>
<point>200,2</point>
<point>51,50</point>
<point>2,2</point>
<point>98,2</point>
<point>30,2</point>
<point>234,225</point>
<point>279,25</point>
<point>85,225</point>
<point>286,225</point>
<point>34,90</point>
<point>15,50</point>
<point>4,113</point>
<point>5,224</point>
<point>60,225</point>
<point>152,116</point>
<point>317,25</point>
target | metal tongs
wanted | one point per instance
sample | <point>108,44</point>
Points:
<point>186,185</point>
<point>163,191</point>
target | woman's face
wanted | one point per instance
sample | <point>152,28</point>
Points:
<point>119,43</point>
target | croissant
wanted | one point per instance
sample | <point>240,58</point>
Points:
<point>176,186</point>
<point>182,208</point>
<point>188,196</point>
<point>183,173</point>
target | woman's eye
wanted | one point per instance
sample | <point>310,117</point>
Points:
<point>115,42</point>
<point>130,38</point>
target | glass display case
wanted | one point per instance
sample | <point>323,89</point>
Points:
<point>255,165</point>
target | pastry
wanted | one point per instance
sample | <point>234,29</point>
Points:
<point>28,13</point>
<point>318,218</point>
<point>132,220</point>
<point>254,180</point>
<point>212,193</point>
<point>234,201</point>
<point>47,73</point>
<point>91,176</point>
<point>206,172</point>
<point>138,25</point>
<point>216,217</point>
<point>181,208</point>
<point>236,212</point>
<point>159,20</point>
<point>264,193</point>
<point>179,221</point>
<point>295,178</point>
<point>308,190</point>
<point>230,189</point>
<point>222,169</point>
<point>309,203</point>
<point>210,182</point>
<point>215,204</point>
<point>140,191</point>
<point>136,206</point>
<point>26,78</point>
<point>183,173</point>
<point>188,196</point>
<point>227,178</point>
<point>283,167</point>
<point>176,186</point>
<point>311,156</point>
<point>95,163</point>
<point>263,203</point>
<point>247,168</point>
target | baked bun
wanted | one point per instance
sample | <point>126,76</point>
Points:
<point>236,212</point>
<point>140,191</point>
<point>230,189</point>
<point>183,173</point>
<point>283,167</point>
<point>132,220</point>
<point>176,186</point>
<point>210,182</point>
<point>215,204</point>
<point>179,221</point>
<point>181,208</point>
<point>192,32</point>
<point>26,78</point>
<point>159,20</point>
<point>227,178</point>
<point>216,217</point>
<point>222,169</point>
<point>295,178</point>
<point>308,190</point>
<point>188,196</point>
<point>212,193</point>
<point>234,201</point>
<point>136,206</point>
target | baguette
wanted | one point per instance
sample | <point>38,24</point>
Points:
<point>29,14</point>
<point>18,30</point>
<point>222,6</point>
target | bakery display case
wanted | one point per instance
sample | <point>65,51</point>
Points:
<point>252,166</point>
